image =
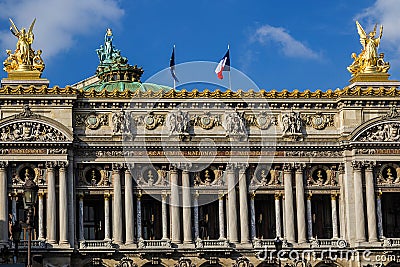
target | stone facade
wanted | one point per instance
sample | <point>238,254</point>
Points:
<point>136,174</point>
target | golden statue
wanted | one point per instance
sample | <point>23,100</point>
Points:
<point>368,60</point>
<point>24,59</point>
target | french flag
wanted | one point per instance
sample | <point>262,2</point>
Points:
<point>223,65</point>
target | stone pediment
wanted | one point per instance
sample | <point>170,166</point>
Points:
<point>29,127</point>
<point>384,131</point>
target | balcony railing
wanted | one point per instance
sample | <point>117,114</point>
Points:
<point>159,244</point>
<point>95,244</point>
<point>34,244</point>
<point>219,243</point>
<point>328,243</point>
<point>262,243</point>
<point>391,242</point>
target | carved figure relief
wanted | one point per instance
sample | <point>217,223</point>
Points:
<point>184,262</point>
<point>385,132</point>
<point>234,125</point>
<point>30,131</point>
<point>292,125</point>
<point>178,123</point>
<point>265,177</point>
<point>243,262</point>
<point>93,175</point>
<point>123,122</point>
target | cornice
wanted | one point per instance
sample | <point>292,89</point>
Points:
<point>349,91</point>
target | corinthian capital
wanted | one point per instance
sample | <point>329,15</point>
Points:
<point>369,165</point>
<point>287,167</point>
<point>299,166</point>
<point>3,164</point>
<point>357,164</point>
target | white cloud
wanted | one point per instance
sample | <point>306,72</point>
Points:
<point>385,12</point>
<point>58,22</point>
<point>288,45</point>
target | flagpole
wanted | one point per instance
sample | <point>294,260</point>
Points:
<point>174,66</point>
<point>229,72</point>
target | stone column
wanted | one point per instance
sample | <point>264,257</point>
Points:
<point>300,211</point>
<point>129,222</point>
<point>370,201</point>
<point>186,203</point>
<point>232,213</point>
<point>278,223</point>
<point>139,215</point>
<point>196,214</point>
<point>342,203</point>
<point>80,218</point>
<point>289,213</point>
<point>309,218</point>
<point>71,201</point>
<point>3,203</point>
<point>358,201</point>
<point>379,214</point>
<point>175,206</point>
<point>107,231</point>
<point>244,210</point>
<point>334,216</point>
<point>252,216</point>
<point>51,208</point>
<point>117,204</point>
<point>164,216</point>
<point>221,214</point>
<point>63,203</point>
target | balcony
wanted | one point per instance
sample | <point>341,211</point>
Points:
<point>96,245</point>
<point>35,244</point>
<point>212,244</point>
<point>391,242</point>
<point>154,244</point>
<point>328,243</point>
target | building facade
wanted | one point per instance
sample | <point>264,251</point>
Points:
<point>136,174</point>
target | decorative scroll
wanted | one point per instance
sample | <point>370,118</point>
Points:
<point>92,121</point>
<point>318,121</point>
<point>206,121</point>
<point>262,120</point>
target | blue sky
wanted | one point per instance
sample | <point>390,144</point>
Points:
<point>278,44</point>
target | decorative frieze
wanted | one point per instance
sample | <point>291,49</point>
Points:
<point>234,125</point>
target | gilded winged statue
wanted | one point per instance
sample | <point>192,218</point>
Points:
<point>368,61</point>
<point>24,57</point>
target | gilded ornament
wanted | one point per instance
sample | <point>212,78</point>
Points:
<point>24,62</point>
<point>368,61</point>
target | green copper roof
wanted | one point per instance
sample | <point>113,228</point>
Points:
<point>125,85</point>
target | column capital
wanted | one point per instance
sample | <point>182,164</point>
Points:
<point>278,196</point>
<point>357,164</point>
<point>107,196</point>
<point>184,166</point>
<point>309,196</point>
<point>341,168</point>
<point>196,194</point>
<point>139,194</point>
<point>299,166</point>
<point>3,164</point>
<point>252,195</point>
<point>63,164</point>
<point>379,194</point>
<point>51,164</point>
<point>117,167</point>
<point>369,165</point>
<point>287,167</point>
<point>129,165</point>
<point>242,166</point>
<point>231,166</point>
<point>164,196</point>
<point>81,195</point>
<point>334,196</point>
